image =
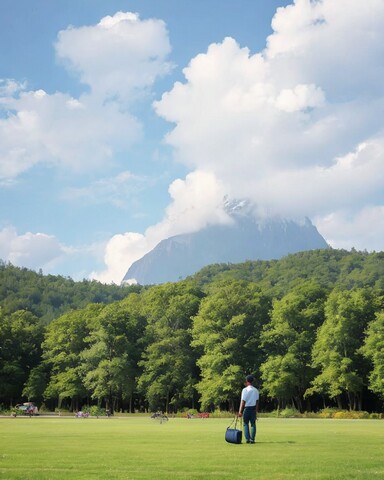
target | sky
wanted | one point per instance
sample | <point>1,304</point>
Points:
<point>125,122</point>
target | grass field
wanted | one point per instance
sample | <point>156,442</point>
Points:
<point>136,448</point>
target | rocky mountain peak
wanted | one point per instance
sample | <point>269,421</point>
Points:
<point>247,238</point>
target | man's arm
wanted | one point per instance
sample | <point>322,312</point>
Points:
<point>241,408</point>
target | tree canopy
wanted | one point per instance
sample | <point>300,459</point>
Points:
<point>309,327</point>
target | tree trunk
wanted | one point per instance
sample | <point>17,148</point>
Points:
<point>350,405</point>
<point>167,403</point>
<point>360,401</point>
<point>299,404</point>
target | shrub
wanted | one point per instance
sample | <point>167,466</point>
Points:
<point>286,413</point>
<point>96,411</point>
<point>310,415</point>
<point>221,414</point>
<point>43,408</point>
<point>360,415</point>
<point>334,413</point>
<point>375,416</point>
<point>191,411</point>
<point>327,412</point>
<point>341,414</point>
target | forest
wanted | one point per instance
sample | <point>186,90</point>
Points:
<point>309,326</point>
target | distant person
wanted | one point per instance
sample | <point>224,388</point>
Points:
<point>249,406</point>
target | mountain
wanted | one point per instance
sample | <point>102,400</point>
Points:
<point>245,239</point>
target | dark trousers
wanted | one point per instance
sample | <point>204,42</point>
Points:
<point>249,419</point>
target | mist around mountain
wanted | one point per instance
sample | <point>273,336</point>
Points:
<point>246,238</point>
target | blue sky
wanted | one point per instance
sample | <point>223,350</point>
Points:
<point>125,122</point>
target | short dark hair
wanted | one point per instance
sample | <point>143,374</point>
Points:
<point>249,378</point>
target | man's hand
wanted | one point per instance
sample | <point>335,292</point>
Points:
<point>239,414</point>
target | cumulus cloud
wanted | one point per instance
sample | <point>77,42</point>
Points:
<point>196,202</point>
<point>30,250</point>
<point>62,131</point>
<point>41,251</point>
<point>117,59</point>
<point>299,98</point>
<point>117,190</point>
<point>296,128</point>
<point>362,229</point>
<point>349,182</point>
<point>118,56</point>
<point>122,250</point>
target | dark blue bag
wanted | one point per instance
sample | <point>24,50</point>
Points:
<point>233,435</point>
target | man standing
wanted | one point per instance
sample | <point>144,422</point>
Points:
<point>249,404</point>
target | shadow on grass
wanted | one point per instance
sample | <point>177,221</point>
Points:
<point>288,441</point>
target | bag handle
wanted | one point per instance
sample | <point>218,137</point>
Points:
<point>235,419</point>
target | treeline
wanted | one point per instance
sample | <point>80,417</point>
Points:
<point>310,327</point>
<point>49,296</point>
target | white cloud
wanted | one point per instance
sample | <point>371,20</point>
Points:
<point>296,128</point>
<point>118,56</point>
<point>41,251</point>
<point>196,202</point>
<point>299,98</point>
<point>120,251</point>
<point>9,87</point>
<point>338,43</point>
<point>349,182</point>
<point>362,229</point>
<point>60,130</point>
<point>119,59</point>
<point>30,250</point>
<point>118,190</point>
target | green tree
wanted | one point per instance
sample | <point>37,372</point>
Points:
<point>226,334</point>
<point>36,384</point>
<point>49,296</point>
<point>168,362</point>
<point>109,362</point>
<point>373,349</point>
<point>63,344</point>
<point>20,352</point>
<point>287,341</point>
<point>336,349</point>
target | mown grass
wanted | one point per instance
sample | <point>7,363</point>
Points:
<point>138,448</point>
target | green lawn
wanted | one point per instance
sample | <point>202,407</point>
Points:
<point>140,448</point>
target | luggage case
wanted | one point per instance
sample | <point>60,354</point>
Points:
<point>233,435</point>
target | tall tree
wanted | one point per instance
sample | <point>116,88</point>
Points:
<point>336,349</point>
<point>63,345</point>
<point>36,383</point>
<point>168,362</point>
<point>20,351</point>
<point>373,349</point>
<point>109,362</point>
<point>226,334</point>
<point>287,341</point>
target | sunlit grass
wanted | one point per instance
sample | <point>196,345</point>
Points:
<point>141,448</point>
